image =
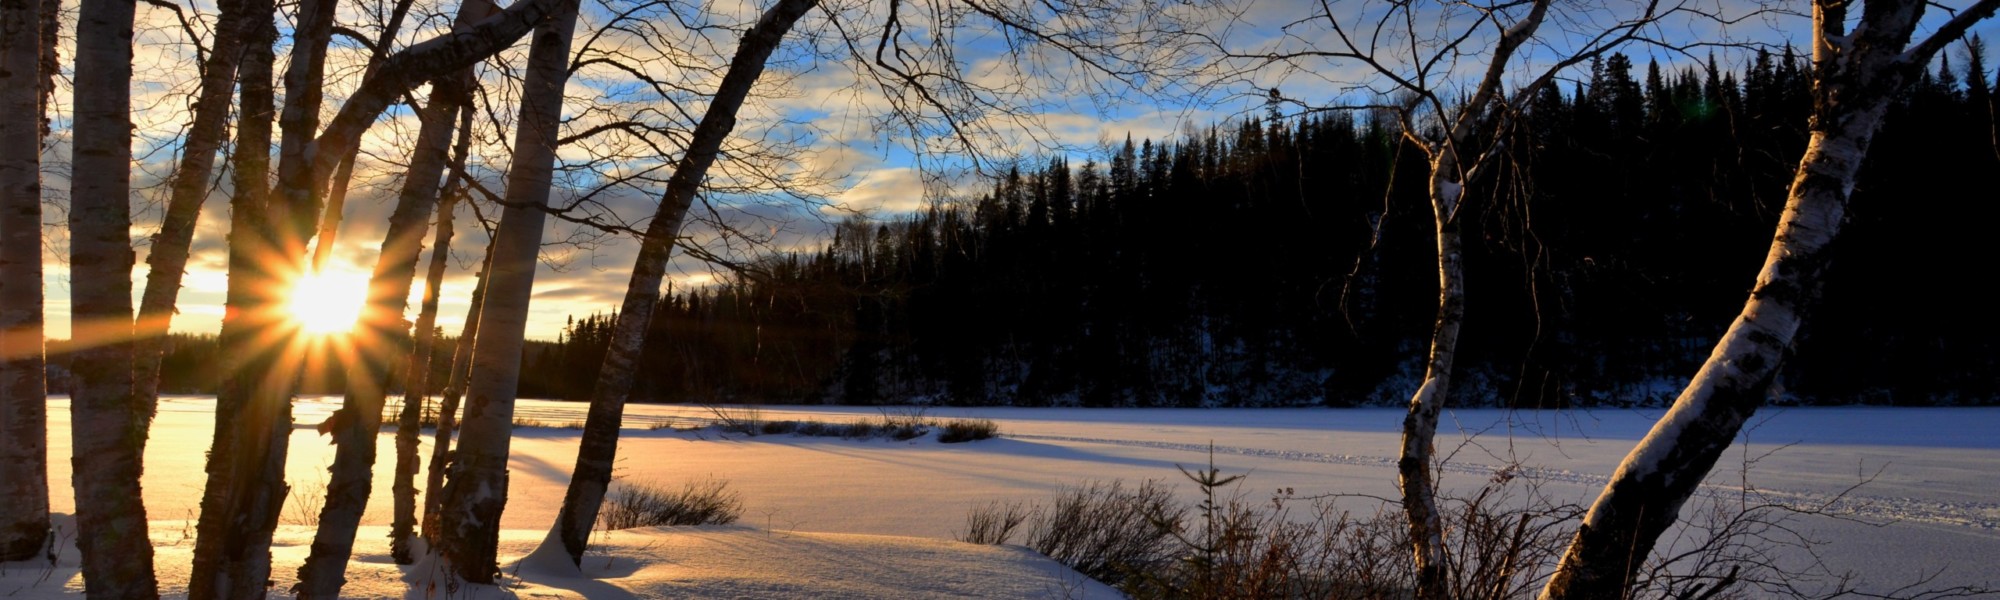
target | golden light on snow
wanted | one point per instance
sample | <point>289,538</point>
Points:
<point>328,302</point>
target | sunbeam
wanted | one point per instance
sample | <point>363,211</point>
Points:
<point>328,302</point>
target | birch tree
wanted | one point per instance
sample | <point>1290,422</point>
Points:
<point>416,378</point>
<point>343,173</point>
<point>166,261</point>
<point>476,494</point>
<point>1859,67</point>
<point>1412,52</point>
<point>380,324</point>
<point>245,489</point>
<point>107,423</point>
<point>24,449</point>
<point>461,369</point>
<point>232,539</point>
<point>599,449</point>
<point>416,383</point>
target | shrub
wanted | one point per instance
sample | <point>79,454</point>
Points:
<point>966,430</point>
<point>1108,531</point>
<point>901,429</point>
<point>1149,545</point>
<point>995,522</point>
<point>700,502</point>
<point>748,420</point>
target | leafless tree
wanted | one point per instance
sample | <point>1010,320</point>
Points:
<point>107,418</point>
<point>376,336</point>
<point>599,449</point>
<point>1859,67</point>
<point>475,494</point>
<point>1413,56</point>
<point>24,449</point>
<point>246,489</point>
<point>166,261</point>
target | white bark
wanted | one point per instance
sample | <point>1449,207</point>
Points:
<point>24,448</point>
<point>1447,185</point>
<point>1856,76</point>
<point>476,494</point>
<point>106,422</point>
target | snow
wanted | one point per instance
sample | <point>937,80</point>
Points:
<point>666,562</point>
<point>832,517</point>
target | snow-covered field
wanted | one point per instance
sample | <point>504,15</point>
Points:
<point>1927,505</point>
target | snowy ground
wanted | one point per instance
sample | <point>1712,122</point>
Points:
<point>1928,489</point>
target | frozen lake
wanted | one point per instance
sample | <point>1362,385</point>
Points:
<point>1927,501</point>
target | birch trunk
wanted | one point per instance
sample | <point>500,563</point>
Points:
<point>461,368</point>
<point>106,422</point>
<point>477,492</point>
<point>246,464</point>
<point>1856,76</point>
<point>238,512</point>
<point>293,210</point>
<point>336,198</point>
<point>166,261</point>
<point>1482,114</point>
<point>380,325</point>
<point>1413,468</point>
<point>416,378</point>
<point>246,487</point>
<point>614,380</point>
<point>24,418</point>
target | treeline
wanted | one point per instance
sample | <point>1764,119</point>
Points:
<point>1290,261</point>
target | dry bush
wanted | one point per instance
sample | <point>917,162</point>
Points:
<point>995,522</point>
<point>1503,541</point>
<point>1105,530</point>
<point>699,502</point>
<point>966,430</point>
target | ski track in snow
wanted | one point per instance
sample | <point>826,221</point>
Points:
<point>1977,515</point>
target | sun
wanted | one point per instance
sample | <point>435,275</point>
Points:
<point>328,302</point>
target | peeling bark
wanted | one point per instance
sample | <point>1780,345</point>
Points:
<point>107,423</point>
<point>258,342</point>
<point>614,380</point>
<point>24,418</point>
<point>469,527</point>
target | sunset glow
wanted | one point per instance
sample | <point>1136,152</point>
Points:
<point>328,302</point>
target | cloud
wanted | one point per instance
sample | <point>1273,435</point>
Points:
<point>882,192</point>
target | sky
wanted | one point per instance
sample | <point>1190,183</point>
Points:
<point>819,142</point>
